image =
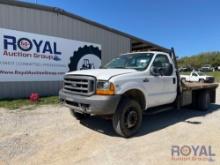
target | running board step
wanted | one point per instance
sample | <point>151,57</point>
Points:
<point>156,110</point>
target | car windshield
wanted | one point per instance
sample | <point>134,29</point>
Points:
<point>138,61</point>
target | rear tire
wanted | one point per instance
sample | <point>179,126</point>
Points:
<point>78,116</point>
<point>203,101</point>
<point>128,118</point>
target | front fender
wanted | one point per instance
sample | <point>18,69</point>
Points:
<point>121,89</point>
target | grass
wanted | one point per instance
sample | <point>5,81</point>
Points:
<point>19,103</point>
<point>214,74</point>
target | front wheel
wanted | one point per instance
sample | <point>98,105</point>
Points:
<point>127,118</point>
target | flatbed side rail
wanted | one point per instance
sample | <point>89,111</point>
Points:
<point>198,86</point>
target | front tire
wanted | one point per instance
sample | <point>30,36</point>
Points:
<point>128,118</point>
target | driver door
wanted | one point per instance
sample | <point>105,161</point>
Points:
<point>161,88</point>
<point>155,86</point>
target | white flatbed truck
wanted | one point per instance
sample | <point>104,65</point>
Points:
<point>130,85</point>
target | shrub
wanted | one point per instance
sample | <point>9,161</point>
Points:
<point>34,97</point>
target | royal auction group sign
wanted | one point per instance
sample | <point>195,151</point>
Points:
<point>34,57</point>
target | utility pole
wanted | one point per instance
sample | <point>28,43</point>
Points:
<point>36,1</point>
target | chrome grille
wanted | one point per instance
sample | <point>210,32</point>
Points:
<point>82,85</point>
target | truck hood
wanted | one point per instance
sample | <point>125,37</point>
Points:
<point>102,74</point>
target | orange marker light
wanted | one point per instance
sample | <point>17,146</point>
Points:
<point>110,91</point>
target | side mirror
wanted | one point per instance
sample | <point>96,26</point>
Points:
<point>155,71</point>
<point>168,69</point>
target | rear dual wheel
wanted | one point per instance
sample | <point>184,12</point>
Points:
<point>203,100</point>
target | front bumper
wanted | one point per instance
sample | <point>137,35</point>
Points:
<point>93,105</point>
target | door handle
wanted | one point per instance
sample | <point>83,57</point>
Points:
<point>174,80</point>
<point>146,80</point>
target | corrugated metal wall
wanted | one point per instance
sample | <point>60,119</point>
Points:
<point>54,24</point>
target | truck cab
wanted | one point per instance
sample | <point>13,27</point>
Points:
<point>125,88</point>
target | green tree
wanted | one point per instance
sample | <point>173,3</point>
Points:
<point>197,61</point>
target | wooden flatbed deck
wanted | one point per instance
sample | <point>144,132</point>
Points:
<point>198,86</point>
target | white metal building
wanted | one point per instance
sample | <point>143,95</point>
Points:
<point>54,22</point>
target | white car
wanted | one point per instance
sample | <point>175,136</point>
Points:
<point>197,77</point>
<point>207,68</point>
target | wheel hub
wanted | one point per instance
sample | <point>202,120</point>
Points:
<point>131,119</point>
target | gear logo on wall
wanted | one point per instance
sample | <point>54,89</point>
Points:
<point>87,57</point>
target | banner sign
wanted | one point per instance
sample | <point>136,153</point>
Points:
<point>34,57</point>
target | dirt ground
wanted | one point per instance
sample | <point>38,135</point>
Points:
<point>50,135</point>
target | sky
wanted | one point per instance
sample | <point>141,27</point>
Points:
<point>190,26</point>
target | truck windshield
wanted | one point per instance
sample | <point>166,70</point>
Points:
<point>138,61</point>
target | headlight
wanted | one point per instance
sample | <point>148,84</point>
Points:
<point>105,88</point>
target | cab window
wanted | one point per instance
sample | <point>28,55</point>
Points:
<point>162,61</point>
<point>194,74</point>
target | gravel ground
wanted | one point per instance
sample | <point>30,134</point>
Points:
<point>50,135</point>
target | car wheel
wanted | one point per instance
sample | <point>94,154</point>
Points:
<point>127,118</point>
<point>183,80</point>
<point>201,81</point>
